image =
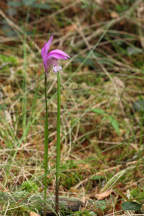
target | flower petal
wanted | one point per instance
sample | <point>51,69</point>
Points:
<point>48,44</point>
<point>60,53</point>
<point>56,56</point>
<point>46,47</point>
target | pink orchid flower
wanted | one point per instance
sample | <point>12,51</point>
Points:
<point>50,59</point>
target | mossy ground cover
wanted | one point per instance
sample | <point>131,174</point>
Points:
<point>102,105</point>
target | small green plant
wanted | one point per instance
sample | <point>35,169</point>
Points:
<point>29,186</point>
<point>137,194</point>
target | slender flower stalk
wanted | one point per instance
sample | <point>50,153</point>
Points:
<point>46,141</point>
<point>50,61</point>
<point>58,144</point>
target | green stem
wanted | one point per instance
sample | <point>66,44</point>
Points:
<point>24,86</point>
<point>46,142</point>
<point>58,145</point>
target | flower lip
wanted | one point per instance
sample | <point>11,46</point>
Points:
<point>51,58</point>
